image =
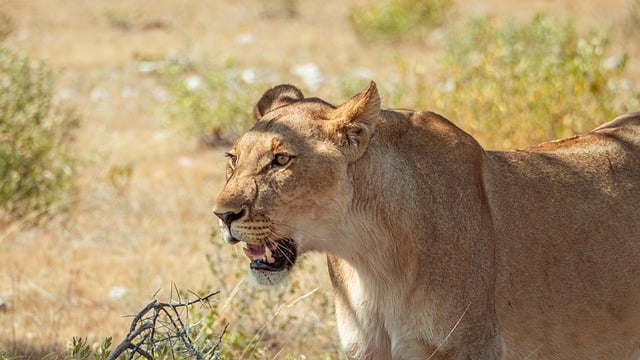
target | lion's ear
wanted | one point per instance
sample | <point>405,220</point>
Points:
<point>355,121</point>
<point>276,97</point>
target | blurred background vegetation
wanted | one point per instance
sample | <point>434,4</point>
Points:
<point>35,162</point>
<point>510,82</point>
<point>394,20</point>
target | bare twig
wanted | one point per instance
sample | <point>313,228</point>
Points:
<point>161,326</point>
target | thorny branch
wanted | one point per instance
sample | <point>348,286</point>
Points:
<point>160,326</point>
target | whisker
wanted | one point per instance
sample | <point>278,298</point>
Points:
<point>288,259</point>
<point>287,253</point>
<point>290,256</point>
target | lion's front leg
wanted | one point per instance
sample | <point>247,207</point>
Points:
<point>361,340</point>
<point>490,349</point>
<point>360,327</point>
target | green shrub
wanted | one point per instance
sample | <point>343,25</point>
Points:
<point>393,19</point>
<point>213,103</point>
<point>80,349</point>
<point>35,162</point>
<point>518,84</point>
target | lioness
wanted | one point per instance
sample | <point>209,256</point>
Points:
<point>438,249</point>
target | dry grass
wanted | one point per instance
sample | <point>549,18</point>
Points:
<point>141,212</point>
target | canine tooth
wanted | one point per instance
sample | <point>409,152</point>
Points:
<point>268,254</point>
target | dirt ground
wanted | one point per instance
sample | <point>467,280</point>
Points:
<point>128,236</point>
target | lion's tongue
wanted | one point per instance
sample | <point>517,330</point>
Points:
<point>261,252</point>
<point>255,252</point>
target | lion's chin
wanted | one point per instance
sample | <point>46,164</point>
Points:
<point>267,277</point>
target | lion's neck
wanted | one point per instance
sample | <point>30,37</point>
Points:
<point>409,211</point>
<point>377,250</point>
<point>376,234</point>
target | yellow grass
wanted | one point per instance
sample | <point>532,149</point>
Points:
<point>140,218</point>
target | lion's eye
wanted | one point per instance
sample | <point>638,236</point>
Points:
<point>281,159</point>
<point>232,160</point>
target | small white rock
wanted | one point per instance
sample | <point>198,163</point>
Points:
<point>310,75</point>
<point>193,82</point>
<point>66,94</point>
<point>146,67</point>
<point>98,94</point>
<point>249,76</point>
<point>117,292</point>
<point>185,162</point>
<point>612,62</point>
<point>245,38</point>
<point>161,135</point>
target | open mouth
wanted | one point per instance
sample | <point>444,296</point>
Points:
<point>270,255</point>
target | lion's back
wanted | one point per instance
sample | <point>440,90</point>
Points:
<point>628,123</point>
<point>567,220</point>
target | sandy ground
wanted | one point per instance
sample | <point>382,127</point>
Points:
<point>126,237</point>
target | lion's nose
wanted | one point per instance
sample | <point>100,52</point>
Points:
<point>229,216</point>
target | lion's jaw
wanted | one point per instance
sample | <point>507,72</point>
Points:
<point>287,185</point>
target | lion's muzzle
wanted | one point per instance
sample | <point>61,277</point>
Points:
<point>271,260</point>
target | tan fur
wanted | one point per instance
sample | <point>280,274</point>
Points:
<point>439,249</point>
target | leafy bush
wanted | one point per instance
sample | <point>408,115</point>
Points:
<point>35,162</point>
<point>393,19</point>
<point>214,104</point>
<point>517,84</point>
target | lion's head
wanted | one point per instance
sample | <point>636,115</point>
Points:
<point>287,176</point>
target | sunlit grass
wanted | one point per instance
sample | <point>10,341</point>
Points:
<point>396,19</point>
<point>513,85</point>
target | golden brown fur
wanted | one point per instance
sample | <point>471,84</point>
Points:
<point>437,248</point>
